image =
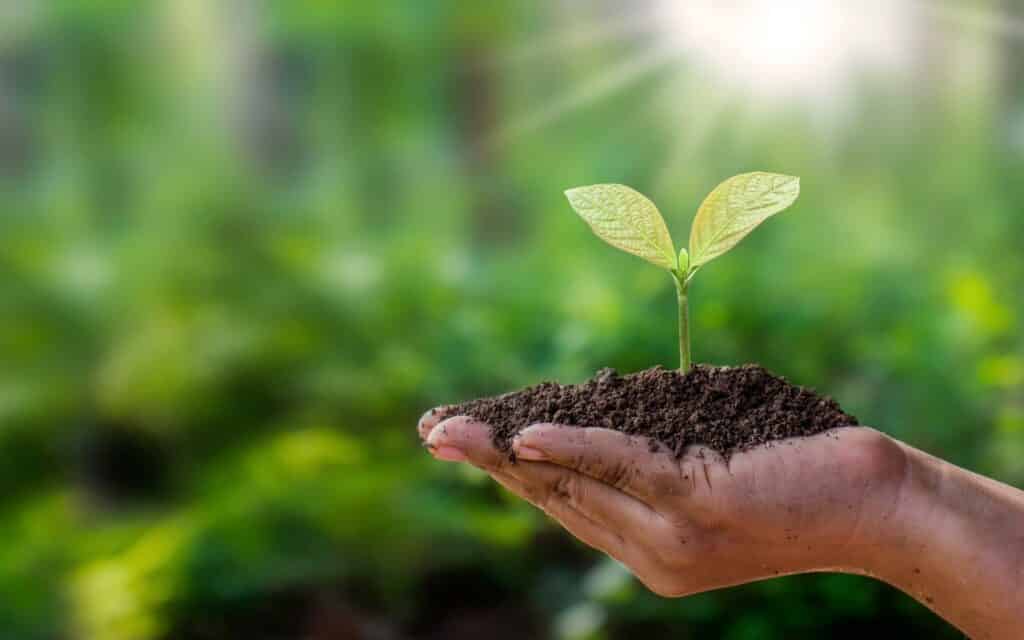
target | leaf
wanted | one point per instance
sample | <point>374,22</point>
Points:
<point>735,208</point>
<point>684,261</point>
<point>626,220</point>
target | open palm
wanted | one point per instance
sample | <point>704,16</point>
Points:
<point>697,522</point>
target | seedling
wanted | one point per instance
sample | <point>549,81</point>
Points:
<point>629,221</point>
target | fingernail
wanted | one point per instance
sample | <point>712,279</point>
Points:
<point>529,453</point>
<point>448,454</point>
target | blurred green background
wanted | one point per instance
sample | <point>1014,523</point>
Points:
<point>244,245</point>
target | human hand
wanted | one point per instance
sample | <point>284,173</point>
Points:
<point>698,522</point>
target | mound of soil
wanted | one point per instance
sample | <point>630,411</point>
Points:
<point>727,409</point>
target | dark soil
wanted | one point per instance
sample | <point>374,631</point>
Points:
<point>727,409</point>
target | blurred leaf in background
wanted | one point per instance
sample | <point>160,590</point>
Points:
<point>243,245</point>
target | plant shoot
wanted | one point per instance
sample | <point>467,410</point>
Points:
<point>629,221</point>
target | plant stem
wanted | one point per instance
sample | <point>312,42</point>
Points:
<point>682,287</point>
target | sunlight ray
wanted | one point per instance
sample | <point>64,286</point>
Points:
<point>799,49</point>
<point>591,35</point>
<point>610,81</point>
<point>692,133</point>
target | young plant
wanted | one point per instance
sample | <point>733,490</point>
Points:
<point>629,221</point>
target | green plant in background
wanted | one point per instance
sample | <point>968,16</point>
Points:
<point>628,220</point>
<point>242,357</point>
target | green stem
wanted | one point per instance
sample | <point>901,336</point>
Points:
<point>682,287</point>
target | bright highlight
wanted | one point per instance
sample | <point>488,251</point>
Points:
<point>794,47</point>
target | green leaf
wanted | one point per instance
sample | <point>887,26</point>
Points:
<point>626,220</point>
<point>735,208</point>
<point>684,261</point>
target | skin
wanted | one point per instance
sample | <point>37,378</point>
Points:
<point>851,500</point>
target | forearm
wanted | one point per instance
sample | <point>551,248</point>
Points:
<point>954,541</point>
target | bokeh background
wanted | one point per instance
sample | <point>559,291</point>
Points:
<point>244,245</point>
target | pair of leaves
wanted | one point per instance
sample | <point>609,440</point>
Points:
<point>629,221</point>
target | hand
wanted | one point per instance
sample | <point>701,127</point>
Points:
<point>698,522</point>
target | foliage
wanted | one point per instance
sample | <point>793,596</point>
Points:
<point>734,209</point>
<point>629,221</point>
<point>240,253</point>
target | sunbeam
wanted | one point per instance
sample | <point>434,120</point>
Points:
<point>591,35</point>
<point>692,128</point>
<point>802,50</point>
<point>796,49</point>
<point>614,79</point>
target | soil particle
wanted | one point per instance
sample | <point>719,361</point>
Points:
<point>727,409</point>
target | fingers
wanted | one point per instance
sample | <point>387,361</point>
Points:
<point>634,465</point>
<point>463,438</point>
<point>561,492</point>
<point>614,458</point>
<point>553,488</point>
<point>429,420</point>
<point>580,525</point>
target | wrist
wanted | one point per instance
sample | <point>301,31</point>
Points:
<point>950,539</point>
<point>830,512</point>
<point>896,517</point>
<point>874,479</point>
